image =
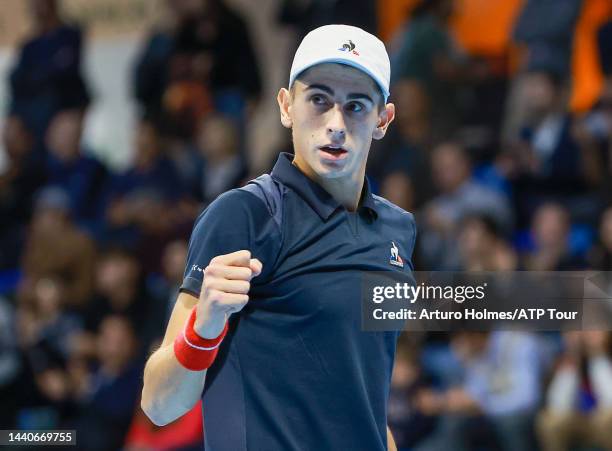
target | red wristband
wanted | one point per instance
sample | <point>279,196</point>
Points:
<point>194,352</point>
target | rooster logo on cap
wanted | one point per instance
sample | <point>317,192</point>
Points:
<point>349,47</point>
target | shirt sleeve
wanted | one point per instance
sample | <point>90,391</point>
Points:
<point>236,220</point>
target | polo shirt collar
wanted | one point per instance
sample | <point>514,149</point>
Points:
<point>320,200</point>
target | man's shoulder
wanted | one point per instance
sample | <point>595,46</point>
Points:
<point>389,208</point>
<point>237,219</point>
<point>260,199</point>
<point>269,191</point>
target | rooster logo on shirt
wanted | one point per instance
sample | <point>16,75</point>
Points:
<point>396,258</point>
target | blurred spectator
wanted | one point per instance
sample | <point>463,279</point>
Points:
<point>214,164</point>
<point>549,162</point>
<point>222,167</point>
<point>70,259</point>
<point>495,406</point>
<point>202,55</point>
<point>165,287</point>
<point>427,47</point>
<point>579,398</point>
<point>47,75</point>
<point>144,202</point>
<point>403,155</point>
<point>46,325</point>
<point>546,27</point>
<point>483,29</point>
<point>107,395</point>
<point>601,255</point>
<point>151,73</point>
<point>307,15</point>
<point>459,196</point>
<point>428,59</point>
<point>120,290</point>
<point>398,188</point>
<point>23,177</point>
<point>81,176</point>
<point>10,365</point>
<point>550,233</point>
<point>46,333</point>
<point>594,130</point>
<point>408,422</point>
<point>482,248</point>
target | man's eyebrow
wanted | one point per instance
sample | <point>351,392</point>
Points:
<point>359,95</point>
<point>330,91</point>
<point>323,88</point>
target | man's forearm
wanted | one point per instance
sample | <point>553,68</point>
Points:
<point>170,390</point>
<point>390,441</point>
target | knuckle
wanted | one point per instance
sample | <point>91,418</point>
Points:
<point>244,274</point>
<point>213,296</point>
<point>210,269</point>
<point>240,273</point>
<point>222,296</point>
<point>208,283</point>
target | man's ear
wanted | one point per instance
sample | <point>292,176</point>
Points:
<point>284,104</point>
<point>385,118</point>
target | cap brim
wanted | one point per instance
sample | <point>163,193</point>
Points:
<point>346,62</point>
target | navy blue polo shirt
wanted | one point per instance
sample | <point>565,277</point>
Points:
<point>295,371</point>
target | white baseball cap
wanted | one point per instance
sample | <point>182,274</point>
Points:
<point>344,44</point>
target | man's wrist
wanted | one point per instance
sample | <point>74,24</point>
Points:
<point>209,326</point>
<point>194,352</point>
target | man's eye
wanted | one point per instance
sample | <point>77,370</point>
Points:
<point>355,107</point>
<point>318,100</point>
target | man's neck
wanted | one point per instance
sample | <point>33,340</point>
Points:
<point>346,190</point>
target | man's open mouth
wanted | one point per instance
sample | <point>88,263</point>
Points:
<point>333,152</point>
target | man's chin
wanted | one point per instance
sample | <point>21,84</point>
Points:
<point>331,171</point>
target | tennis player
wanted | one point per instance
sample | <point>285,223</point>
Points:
<point>267,327</point>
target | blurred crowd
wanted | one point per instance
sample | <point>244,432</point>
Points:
<point>501,173</point>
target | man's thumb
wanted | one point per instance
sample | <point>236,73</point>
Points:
<point>256,266</point>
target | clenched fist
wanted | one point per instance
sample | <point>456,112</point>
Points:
<point>224,291</point>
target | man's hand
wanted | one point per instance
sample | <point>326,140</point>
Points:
<point>224,291</point>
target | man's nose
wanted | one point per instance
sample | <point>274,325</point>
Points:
<point>336,126</point>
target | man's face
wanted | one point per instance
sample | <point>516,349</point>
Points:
<point>334,113</point>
